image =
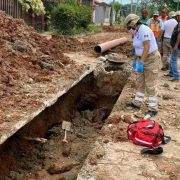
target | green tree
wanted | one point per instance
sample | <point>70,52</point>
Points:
<point>117,7</point>
<point>36,6</point>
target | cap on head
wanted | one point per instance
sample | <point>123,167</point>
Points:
<point>172,14</point>
<point>177,13</point>
<point>131,20</point>
<point>155,13</point>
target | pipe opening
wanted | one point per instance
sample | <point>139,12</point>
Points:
<point>97,49</point>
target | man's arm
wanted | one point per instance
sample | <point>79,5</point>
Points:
<point>145,50</point>
<point>161,28</point>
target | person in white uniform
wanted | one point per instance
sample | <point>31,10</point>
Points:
<point>147,62</point>
<point>169,26</point>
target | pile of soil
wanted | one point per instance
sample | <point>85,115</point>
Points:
<point>114,29</point>
<point>26,57</point>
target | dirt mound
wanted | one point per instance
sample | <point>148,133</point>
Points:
<point>114,29</point>
<point>26,57</point>
<point>125,49</point>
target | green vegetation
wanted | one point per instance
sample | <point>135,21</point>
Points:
<point>71,18</point>
<point>36,6</point>
<point>117,7</point>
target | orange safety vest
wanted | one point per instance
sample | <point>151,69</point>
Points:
<point>155,27</point>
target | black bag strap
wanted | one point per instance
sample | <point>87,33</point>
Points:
<point>166,139</point>
<point>153,151</point>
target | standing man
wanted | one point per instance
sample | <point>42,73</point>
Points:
<point>163,14</point>
<point>157,26</point>
<point>146,63</point>
<point>163,17</point>
<point>144,16</point>
<point>175,44</point>
<point>169,26</point>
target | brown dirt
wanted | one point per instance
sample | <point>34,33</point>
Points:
<point>26,58</point>
<point>86,109</point>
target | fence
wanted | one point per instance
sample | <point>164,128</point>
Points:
<point>11,7</point>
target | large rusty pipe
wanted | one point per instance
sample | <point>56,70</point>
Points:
<point>100,48</point>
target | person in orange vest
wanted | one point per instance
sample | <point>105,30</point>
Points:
<point>157,26</point>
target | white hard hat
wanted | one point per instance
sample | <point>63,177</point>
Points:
<point>177,13</point>
<point>172,14</point>
<point>155,13</point>
<point>131,20</point>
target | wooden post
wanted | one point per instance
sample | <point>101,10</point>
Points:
<point>42,22</point>
<point>33,20</point>
<point>112,13</point>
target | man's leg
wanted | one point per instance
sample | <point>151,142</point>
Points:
<point>174,66</point>
<point>139,98</point>
<point>151,78</point>
<point>166,53</point>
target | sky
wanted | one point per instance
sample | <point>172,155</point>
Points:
<point>122,1</point>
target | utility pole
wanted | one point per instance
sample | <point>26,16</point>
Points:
<point>131,5</point>
<point>136,6</point>
<point>112,13</point>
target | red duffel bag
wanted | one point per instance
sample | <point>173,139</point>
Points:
<point>147,133</point>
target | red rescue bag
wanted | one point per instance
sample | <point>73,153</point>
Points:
<point>146,133</point>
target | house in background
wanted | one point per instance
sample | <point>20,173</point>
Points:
<point>101,12</point>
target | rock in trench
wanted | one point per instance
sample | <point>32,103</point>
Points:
<point>61,167</point>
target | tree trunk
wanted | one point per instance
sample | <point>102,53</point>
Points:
<point>112,13</point>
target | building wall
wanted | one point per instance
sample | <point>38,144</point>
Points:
<point>101,14</point>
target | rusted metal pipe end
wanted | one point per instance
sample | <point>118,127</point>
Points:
<point>97,49</point>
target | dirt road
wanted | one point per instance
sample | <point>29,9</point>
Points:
<point>30,76</point>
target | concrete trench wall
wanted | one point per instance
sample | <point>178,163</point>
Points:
<point>105,85</point>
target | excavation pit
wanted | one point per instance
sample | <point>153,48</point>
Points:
<point>87,106</point>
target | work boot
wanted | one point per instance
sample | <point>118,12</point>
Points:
<point>133,104</point>
<point>174,79</point>
<point>167,74</point>
<point>151,113</point>
<point>164,69</point>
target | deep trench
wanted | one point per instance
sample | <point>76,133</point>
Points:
<point>83,105</point>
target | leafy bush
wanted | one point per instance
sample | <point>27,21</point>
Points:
<point>36,6</point>
<point>67,18</point>
<point>83,14</point>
